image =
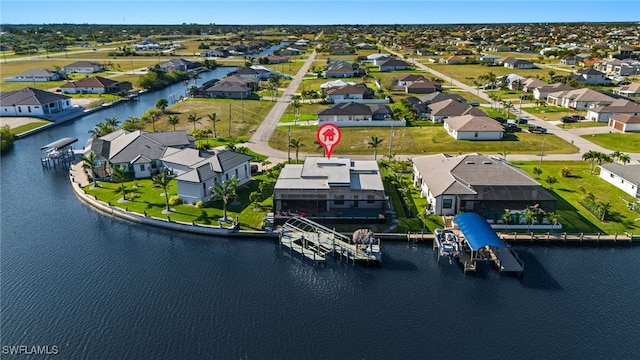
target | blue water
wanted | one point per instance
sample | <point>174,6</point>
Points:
<point>102,288</point>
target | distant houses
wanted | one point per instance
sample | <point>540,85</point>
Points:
<point>35,75</point>
<point>96,85</point>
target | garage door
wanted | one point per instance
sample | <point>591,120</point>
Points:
<point>618,126</point>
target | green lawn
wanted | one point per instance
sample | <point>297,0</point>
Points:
<point>146,199</point>
<point>628,142</point>
<point>574,217</point>
<point>552,113</point>
<point>465,72</point>
<point>423,140</point>
<point>30,126</point>
<point>582,124</point>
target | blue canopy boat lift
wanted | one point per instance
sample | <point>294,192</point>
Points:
<point>477,241</point>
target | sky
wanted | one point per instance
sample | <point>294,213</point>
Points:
<point>315,12</point>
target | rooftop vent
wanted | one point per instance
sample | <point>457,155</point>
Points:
<point>487,162</point>
<point>470,162</point>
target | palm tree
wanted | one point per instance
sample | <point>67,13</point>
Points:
<point>551,180</point>
<point>624,159</point>
<point>193,118</point>
<point>296,106</point>
<point>101,129</point>
<point>554,218</point>
<point>212,118</point>
<point>173,120</point>
<point>224,191</point>
<point>265,164</point>
<point>195,76</point>
<point>506,217</point>
<point>374,143</point>
<point>117,175</point>
<point>163,180</point>
<point>615,155</point>
<point>528,218</point>
<point>89,162</point>
<point>319,147</point>
<point>132,123</point>
<point>162,104</point>
<point>152,117</point>
<point>295,144</point>
<point>113,122</point>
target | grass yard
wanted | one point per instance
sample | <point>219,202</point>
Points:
<point>30,126</point>
<point>552,113</point>
<point>573,216</point>
<point>628,142</point>
<point>422,140</point>
<point>465,72</point>
<point>143,198</point>
<point>228,112</point>
<point>582,124</point>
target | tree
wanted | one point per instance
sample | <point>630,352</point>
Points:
<point>615,155</point>
<point>554,217</point>
<point>152,117</point>
<point>113,122</point>
<point>504,154</point>
<point>224,191</point>
<point>89,162</point>
<point>265,163</point>
<point>551,180</point>
<point>296,104</point>
<point>132,123</point>
<point>173,120</point>
<point>163,180</point>
<point>595,158</point>
<point>565,172</point>
<point>551,74</point>
<point>117,175</point>
<point>212,118</point>
<point>528,218</point>
<point>537,171</point>
<point>295,144</point>
<point>274,83</point>
<point>624,159</point>
<point>373,143</point>
<point>101,129</point>
<point>195,76</point>
<point>162,104</point>
<point>193,118</point>
<point>6,138</point>
<point>506,217</point>
<point>602,208</point>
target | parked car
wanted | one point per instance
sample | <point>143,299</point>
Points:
<point>578,117</point>
<point>568,119</point>
<point>537,129</point>
<point>500,119</point>
<point>474,103</point>
<point>254,168</point>
<point>511,127</point>
<point>521,121</point>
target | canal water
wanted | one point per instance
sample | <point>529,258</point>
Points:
<point>103,288</point>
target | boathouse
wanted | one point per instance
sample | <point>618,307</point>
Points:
<point>481,243</point>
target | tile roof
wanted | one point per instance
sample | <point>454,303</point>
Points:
<point>347,108</point>
<point>29,96</point>
<point>474,123</point>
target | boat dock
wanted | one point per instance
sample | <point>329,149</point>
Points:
<point>316,242</point>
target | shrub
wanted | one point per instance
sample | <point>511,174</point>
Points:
<point>565,172</point>
<point>200,204</point>
<point>175,200</point>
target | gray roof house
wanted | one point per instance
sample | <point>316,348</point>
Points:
<point>447,108</point>
<point>392,64</point>
<point>37,75</point>
<point>83,67</point>
<point>618,106</point>
<point>517,63</point>
<point>476,183</point>
<point>137,151</point>
<point>340,69</point>
<point>34,102</point>
<point>196,171</point>
<point>330,188</point>
<point>624,177</point>
<point>472,127</point>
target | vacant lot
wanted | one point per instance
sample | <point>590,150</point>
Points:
<point>629,142</point>
<point>466,73</point>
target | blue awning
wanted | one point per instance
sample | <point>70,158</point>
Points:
<point>477,231</point>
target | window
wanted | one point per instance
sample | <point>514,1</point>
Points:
<point>338,200</point>
<point>475,134</point>
<point>447,203</point>
<point>610,175</point>
<point>142,167</point>
<point>371,199</point>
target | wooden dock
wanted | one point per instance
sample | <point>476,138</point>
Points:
<point>314,242</point>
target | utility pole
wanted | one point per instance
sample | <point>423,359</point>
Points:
<point>288,146</point>
<point>542,153</point>
<point>229,121</point>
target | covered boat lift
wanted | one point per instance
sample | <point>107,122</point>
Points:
<point>483,244</point>
<point>59,152</point>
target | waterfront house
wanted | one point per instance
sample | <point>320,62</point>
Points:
<point>96,85</point>
<point>337,187</point>
<point>177,65</point>
<point>35,75</point>
<point>625,122</point>
<point>624,177</point>
<point>247,73</point>
<point>478,183</point>
<point>196,171</point>
<point>232,87</point>
<point>472,127</point>
<point>629,91</point>
<point>83,67</point>
<point>138,152</point>
<point>33,102</point>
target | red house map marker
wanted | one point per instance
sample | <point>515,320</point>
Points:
<point>328,135</point>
